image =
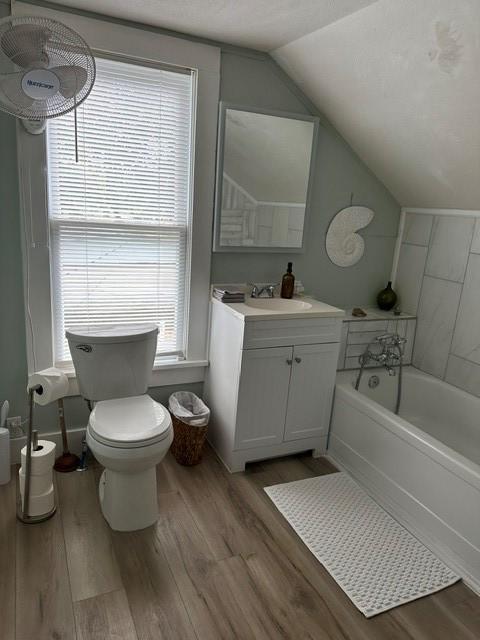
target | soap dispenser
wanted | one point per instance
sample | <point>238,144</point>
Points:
<point>288,282</point>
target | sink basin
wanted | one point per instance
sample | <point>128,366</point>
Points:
<point>278,304</point>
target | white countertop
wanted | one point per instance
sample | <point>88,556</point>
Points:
<point>377,314</point>
<point>248,313</point>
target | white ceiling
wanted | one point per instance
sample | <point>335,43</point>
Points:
<point>400,80</point>
<point>259,24</point>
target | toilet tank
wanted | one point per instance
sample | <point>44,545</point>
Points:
<point>113,361</point>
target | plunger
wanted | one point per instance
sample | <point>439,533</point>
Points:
<point>67,461</point>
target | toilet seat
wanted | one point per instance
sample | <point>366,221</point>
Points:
<point>129,423</point>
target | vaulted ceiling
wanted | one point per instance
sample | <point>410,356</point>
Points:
<point>399,79</point>
<point>258,24</point>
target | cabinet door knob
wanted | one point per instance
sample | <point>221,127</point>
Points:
<point>289,362</point>
<point>297,359</point>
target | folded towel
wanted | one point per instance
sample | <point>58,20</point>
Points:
<point>228,296</point>
<point>229,299</point>
<point>229,292</point>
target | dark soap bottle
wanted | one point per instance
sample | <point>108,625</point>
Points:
<point>288,282</point>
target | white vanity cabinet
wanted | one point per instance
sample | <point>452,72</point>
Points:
<point>270,381</point>
<point>312,381</point>
<point>262,397</point>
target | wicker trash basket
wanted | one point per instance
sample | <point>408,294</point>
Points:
<point>189,428</point>
<point>188,441</point>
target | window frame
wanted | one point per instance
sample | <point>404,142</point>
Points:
<point>151,49</point>
<point>184,230</point>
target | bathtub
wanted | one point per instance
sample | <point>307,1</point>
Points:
<point>423,465</point>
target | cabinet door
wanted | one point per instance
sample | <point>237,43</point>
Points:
<point>311,389</point>
<point>262,397</point>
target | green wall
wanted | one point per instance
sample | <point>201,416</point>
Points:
<point>255,80</point>
<point>339,174</point>
<point>12,331</point>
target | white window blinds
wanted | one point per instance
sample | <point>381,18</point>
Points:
<point>119,219</point>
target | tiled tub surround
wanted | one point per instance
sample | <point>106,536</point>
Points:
<point>358,333</point>
<point>438,279</point>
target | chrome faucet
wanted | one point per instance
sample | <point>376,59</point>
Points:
<point>391,353</point>
<point>258,291</point>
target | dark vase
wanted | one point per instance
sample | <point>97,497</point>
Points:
<point>387,298</point>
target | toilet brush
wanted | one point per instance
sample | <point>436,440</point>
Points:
<point>67,461</point>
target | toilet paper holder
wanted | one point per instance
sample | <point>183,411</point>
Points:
<point>22,510</point>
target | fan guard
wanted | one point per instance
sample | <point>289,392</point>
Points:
<point>46,68</point>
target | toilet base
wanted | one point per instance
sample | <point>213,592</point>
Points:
<point>129,500</point>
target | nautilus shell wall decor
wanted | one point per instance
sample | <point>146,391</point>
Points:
<point>344,246</point>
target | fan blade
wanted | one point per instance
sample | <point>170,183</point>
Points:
<point>25,44</point>
<point>11,87</point>
<point>72,79</point>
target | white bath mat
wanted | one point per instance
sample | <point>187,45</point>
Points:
<point>375,560</point>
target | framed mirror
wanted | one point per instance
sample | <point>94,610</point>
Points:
<point>264,174</point>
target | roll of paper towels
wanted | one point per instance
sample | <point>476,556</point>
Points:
<point>4,456</point>
<point>43,458</point>
<point>53,382</point>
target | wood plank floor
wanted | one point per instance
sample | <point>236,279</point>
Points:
<point>221,563</point>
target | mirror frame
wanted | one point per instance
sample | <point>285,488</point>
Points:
<point>223,106</point>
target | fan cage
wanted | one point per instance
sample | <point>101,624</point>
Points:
<point>36,43</point>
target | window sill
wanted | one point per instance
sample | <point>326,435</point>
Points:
<point>173,373</point>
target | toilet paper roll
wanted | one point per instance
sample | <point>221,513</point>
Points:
<point>4,456</point>
<point>53,382</point>
<point>38,484</point>
<point>41,504</point>
<point>42,460</point>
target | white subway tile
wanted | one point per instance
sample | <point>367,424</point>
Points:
<point>466,339</point>
<point>417,228</point>
<point>436,319</point>
<point>463,374</point>
<point>449,247</point>
<point>408,283</point>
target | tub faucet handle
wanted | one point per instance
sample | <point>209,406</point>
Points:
<point>384,337</point>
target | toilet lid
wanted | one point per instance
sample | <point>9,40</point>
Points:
<point>129,422</point>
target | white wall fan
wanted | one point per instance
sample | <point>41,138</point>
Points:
<point>46,69</point>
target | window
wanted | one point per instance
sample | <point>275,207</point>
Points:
<point>154,61</point>
<point>120,219</point>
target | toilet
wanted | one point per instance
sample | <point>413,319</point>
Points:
<point>128,432</point>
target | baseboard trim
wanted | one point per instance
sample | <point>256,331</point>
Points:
<point>75,437</point>
<point>236,459</point>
